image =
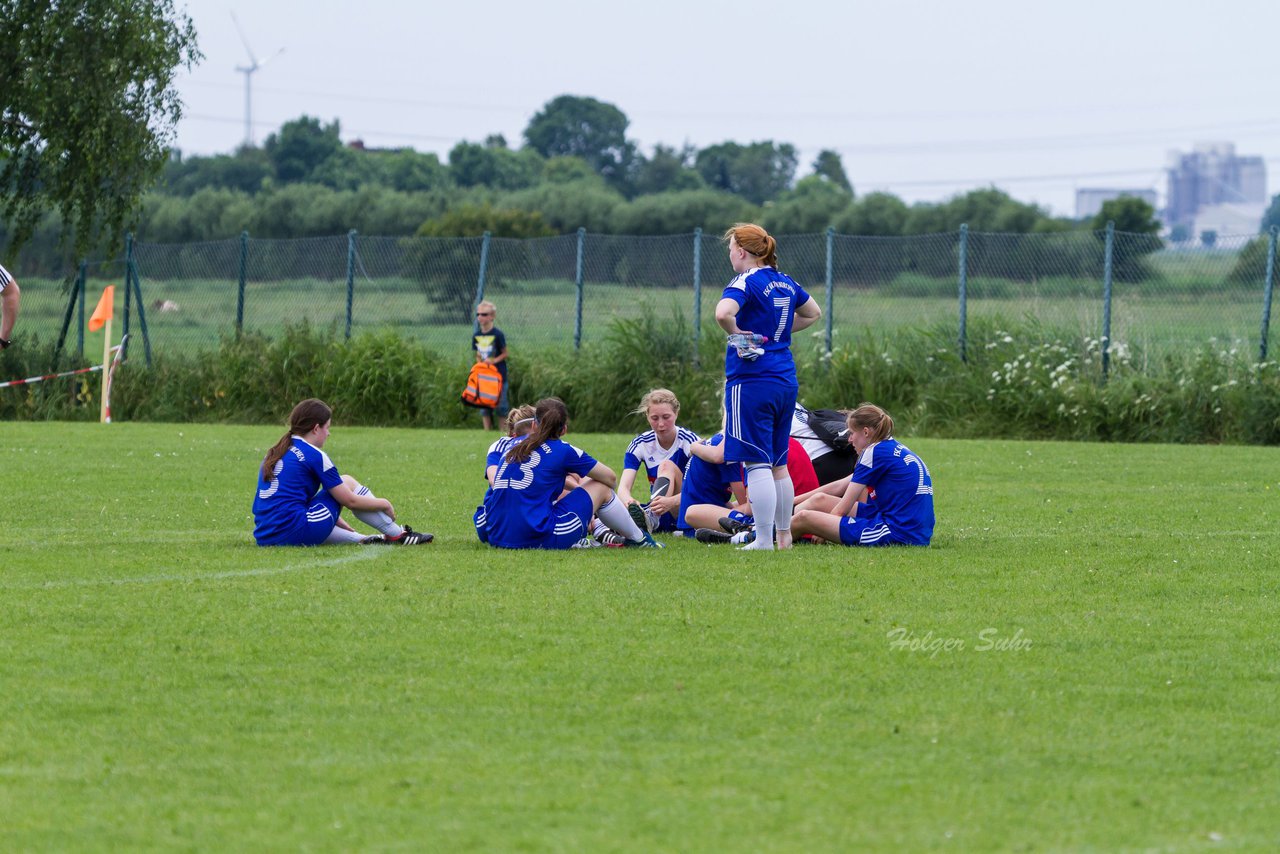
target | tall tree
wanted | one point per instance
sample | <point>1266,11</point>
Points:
<point>87,110</point>
<point>828,166</point>
<point>757,172</point>
<point>575,126</point>
<point>301,147</point>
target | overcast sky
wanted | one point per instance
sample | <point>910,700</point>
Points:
<point>922,99</point>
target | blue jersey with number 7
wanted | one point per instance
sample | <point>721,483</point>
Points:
<point>767,303</point>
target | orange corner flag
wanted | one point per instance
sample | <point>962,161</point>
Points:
<point>102,313</point>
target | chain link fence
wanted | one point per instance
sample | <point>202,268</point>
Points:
<point>1127,290</point>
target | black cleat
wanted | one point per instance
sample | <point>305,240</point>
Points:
<point>410,537</point>
<point>733,526</point>
<point>710,536</point>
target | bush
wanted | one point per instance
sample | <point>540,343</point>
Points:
<point>1020,380</point>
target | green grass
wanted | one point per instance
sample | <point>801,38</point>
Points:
<point>166,684</point>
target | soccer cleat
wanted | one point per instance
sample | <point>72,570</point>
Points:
<point>587,543</point>
<point>641,517</point>
<point>611,539</point>
<point>744,538</point>
<point>409,537</point>
<point>374,540</point>
<point>647,543</point>
<point>709,536</point>
<point>733,526</point>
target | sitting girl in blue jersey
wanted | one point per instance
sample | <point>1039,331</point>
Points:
<point>663,450</point>
<point>300,493</point>
<point>902,513</point>
<point>524,510</point>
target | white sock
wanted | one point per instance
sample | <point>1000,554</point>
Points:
<point>764,503</point>
<point>785,489</point>
<point>613,514</point>
<point>341,536</point>
<point>376,518</point>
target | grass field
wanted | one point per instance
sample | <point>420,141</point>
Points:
<point>1085,659</point>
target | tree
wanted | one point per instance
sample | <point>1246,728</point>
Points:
<point>1271,218</point>
<point>1131,215</point>
<point>828,166</point>
<point>681,212</point>
<point>814,204</point>
<point>575,126</point>
<point>245,170</point>
<point>494,165</point>
<point>1137,231</point>
<point>301,147</point>
<point>667,170</point>
<point>758,172</point>
<point>874,215</point>
<point>87,110</point>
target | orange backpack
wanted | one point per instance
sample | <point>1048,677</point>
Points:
<point>484,387</point>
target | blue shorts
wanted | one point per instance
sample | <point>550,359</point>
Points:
<point>872,531</point>
<point>758,420</point>
<point>321,519</point>
<point>572,515</point>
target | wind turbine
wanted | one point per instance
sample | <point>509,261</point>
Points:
<point>247,71</point>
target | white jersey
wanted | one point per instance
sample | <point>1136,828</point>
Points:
<point>645,450</point>
<point>5,278</point>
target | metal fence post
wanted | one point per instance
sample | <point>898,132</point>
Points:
<point>351,277</point>
<point>831,292</point>
<point>244,275</point>
<point>963,265</point>
<point>1266,294</point>
<point>74,292</point>
<point>134,281</point>
<point>697,294</point>
<point>1109,254</point>
<point>577,281</point>
<point>81,285</point>
<point>128,291</point>
<point>484,265</point>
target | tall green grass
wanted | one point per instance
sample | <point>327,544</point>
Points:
<point>1083,660</point>
<point>1015,379</point>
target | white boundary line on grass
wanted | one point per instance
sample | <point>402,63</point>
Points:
<point>359,553</point>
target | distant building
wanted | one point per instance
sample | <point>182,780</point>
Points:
<point>1089,200</point>
<point>1228,219</point>
<point>1213,175</point>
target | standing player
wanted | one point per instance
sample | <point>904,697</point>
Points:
<point>300,492</point>
<point>902,513</point>
<point>524,510</point>
<point>759,310</point>
<point>664,443</point>
<point>490,346</point>
<point>9,296</point>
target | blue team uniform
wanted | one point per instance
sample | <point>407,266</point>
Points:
<point>902,513</point>
<point>295,508</point>
<point>521,511</point>
<point>706,483</point>
<point>497,451</point>
<point>760,395</point>
<point>645,451</point>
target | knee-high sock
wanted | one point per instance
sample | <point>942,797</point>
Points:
<point>376,518</point>
<point>661,487</point>
<point>615,515</point>
<point>764,502</point>
<point>786,491</point>
<point>342,536</point>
